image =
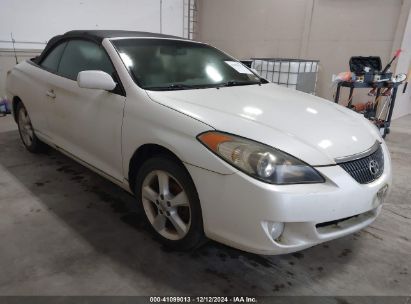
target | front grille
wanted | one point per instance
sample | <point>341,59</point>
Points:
<point>364,170</point>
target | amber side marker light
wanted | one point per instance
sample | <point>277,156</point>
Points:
<point>213,139</point>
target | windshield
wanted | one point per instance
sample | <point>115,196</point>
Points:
<point>161,64</point>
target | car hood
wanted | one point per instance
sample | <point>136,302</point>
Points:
<point>310,128</point>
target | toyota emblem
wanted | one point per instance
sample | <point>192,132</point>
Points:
<point>374,167</point>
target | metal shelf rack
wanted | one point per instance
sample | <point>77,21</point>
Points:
<point>297,74</point>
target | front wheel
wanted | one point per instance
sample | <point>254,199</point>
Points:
<point>170,202</point>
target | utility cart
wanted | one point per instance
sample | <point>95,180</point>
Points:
<point>380,110</point>
<point>367,73</point>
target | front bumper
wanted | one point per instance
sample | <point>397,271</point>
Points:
<point>237,209</point>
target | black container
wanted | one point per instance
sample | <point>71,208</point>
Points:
<point>358,63</point>
<point>369,77</point>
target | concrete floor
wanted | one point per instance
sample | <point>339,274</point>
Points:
<point>66,231</point>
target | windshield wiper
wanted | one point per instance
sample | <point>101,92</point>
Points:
<point>173,86</point>
<point>182,86</point>
<point>232,83</point>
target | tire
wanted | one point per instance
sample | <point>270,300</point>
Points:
<point>26,131</point>
<point>173,213</point>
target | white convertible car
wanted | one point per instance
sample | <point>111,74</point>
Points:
<point>208,148</point>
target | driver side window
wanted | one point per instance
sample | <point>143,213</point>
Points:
<point>82,55</point>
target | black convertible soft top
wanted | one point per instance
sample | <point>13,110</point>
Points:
<point>98,36</point>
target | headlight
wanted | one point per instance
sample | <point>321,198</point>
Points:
<point>260,161</point>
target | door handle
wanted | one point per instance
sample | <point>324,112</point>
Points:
<point>51,94</point>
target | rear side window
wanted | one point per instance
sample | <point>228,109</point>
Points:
<point>51,62</point>
<point>81,55</point>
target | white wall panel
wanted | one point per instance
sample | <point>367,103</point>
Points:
<point>39,20</point>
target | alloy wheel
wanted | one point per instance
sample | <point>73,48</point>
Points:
<point>166,205</point>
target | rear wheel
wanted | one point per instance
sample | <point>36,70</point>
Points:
<point>27,135</point>
<point>170,202</point>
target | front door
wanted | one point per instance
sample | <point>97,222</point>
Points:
<point>87,122</point>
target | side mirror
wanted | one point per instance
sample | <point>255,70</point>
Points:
<point>95,80</point>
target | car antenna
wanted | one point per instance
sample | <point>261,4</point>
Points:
<point>14,49</point>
